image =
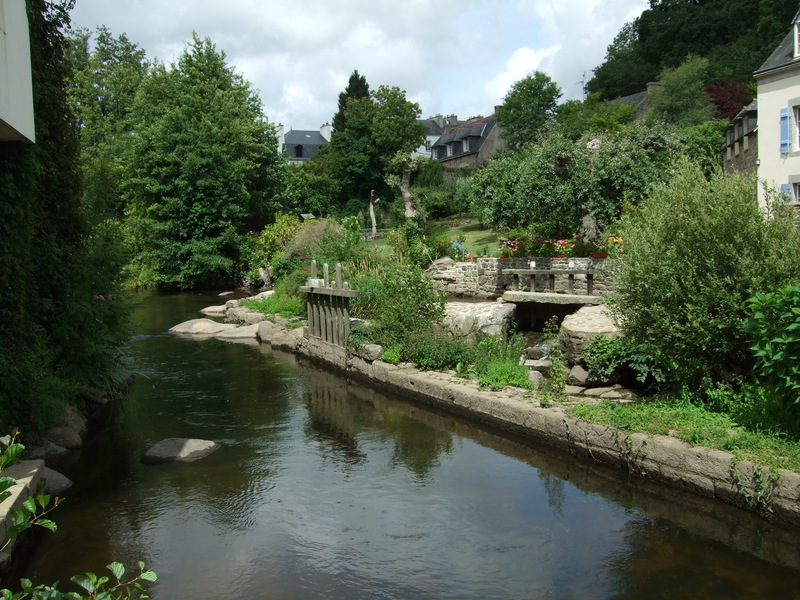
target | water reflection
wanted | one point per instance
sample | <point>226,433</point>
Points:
<point>328,489</point>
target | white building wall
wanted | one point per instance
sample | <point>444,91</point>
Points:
<point>16,89</point>
<point>777,169</point>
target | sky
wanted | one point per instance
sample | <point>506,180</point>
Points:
<point>450,56</point>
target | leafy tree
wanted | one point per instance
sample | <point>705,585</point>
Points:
<point>575,118</point>
<point>101,92</point>
<point>528,105</point>
<point>203,161</point>
<point>728,97</point>
<point>357,87</point>
<point>680,98</point>
<point>623,71</point>
<point>552,185</point>
<point>376,130</point>
<point>735,35</point>
<point>695,252</point>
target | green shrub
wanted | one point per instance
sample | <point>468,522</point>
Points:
<point>392,355</point>
<point>775,328</point>
<point>286,301</point>
<point>500,373</point>
<point>695,252</point>
<point>400,299</point>
<point>435,349</point>
<point>603,356</point>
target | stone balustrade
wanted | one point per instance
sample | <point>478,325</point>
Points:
<point>484,277</point>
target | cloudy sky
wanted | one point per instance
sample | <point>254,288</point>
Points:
<point>450,56</point>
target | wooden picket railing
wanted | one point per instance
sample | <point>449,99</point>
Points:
<point>328,304</point>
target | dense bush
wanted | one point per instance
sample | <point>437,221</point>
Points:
<point>437,350</point>
<point>775,327</point>
<point>400,299</point>
<point>694,253</point>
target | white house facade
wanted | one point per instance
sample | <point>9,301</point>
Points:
<point>778,82</point>
<point>16,89</point>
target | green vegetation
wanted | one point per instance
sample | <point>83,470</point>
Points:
<point>681,290</point>
<point>697,426</point>
<point>526,109</point>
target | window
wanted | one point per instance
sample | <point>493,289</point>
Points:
<point>427,144</point>
<point>450,149</point>
<point>466,144</point>
<point>298,151</point>
<point>786,143</point>
<point>795,192</point>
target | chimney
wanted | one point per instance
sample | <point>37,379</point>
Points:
<point>325,131</point>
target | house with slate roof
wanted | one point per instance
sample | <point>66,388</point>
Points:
<point>299,145</point>
<point>435,128</point>
<point>778,82</point>
<point>468,144</point>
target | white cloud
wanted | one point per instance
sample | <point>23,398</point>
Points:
<point>522,62</point>
<point>449,55</point>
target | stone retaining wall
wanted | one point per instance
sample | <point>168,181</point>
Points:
<point>483,278</point>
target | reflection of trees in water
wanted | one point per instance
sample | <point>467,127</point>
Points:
<point>657,557</point>
<point>556,494</point>
<point>340,412</point>
<point>416,446</point>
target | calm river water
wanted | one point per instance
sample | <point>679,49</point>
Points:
<point>326,489</point>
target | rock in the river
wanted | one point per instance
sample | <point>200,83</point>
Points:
<point>54,482</point>
<point>65,437</point>
<point>179,450</point>
<point>201,327</point>
<point>491,318</point>
<point>581,327</point>
<point>213,311</point>
<point>239,333</point>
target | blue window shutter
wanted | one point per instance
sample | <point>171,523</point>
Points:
<point>786,192</point>
<point>786,144</point>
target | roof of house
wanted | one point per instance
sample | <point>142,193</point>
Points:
<point>782,56</point>
<point>306,138</point>
<point>478,128</point>
<point>434,129</point>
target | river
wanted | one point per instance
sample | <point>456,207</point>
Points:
<point>327,489</point>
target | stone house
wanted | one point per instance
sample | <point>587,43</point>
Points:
<point>468,144</point>
<point>299,145</point>
<point>778,82</point>
<point>16,89</point>
<point>740,152</point>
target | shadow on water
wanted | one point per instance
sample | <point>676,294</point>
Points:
<point>325,488</point>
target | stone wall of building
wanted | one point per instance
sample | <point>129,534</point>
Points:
<point>484,277</point>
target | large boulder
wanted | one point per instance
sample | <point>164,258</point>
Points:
<point>239,333</point>
<point>581,327</point>
<point>179,450</point>
<point>491,318</point>
<point>213,311</point>
<point>201,327</point>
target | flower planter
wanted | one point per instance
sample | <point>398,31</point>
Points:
<point>503,255</point>
<point>599,254</point>
<point>560,256</point>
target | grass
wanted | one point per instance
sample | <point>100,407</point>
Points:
<point>697,427</point>
<point>478,238</point>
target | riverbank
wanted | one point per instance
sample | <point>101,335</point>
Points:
<point>665,459</point>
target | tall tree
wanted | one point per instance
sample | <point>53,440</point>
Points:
<point>680,98</point>
<point>101,92</point>
<point>376,129</point>
<point>203,160</point>
<point>357,87</point>
<point>530,103</point>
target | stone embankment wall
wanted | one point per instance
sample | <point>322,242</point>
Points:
<point>483,277</point>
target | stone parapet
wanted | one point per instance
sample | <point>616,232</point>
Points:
<point>484,277</point>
